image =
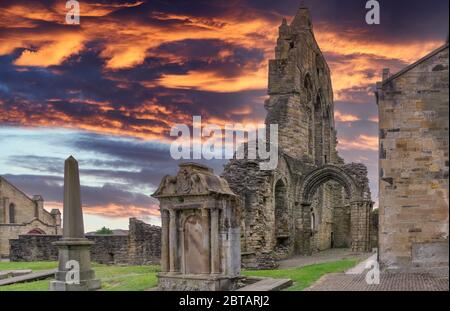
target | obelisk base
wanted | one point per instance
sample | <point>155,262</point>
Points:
<point>67,277</point>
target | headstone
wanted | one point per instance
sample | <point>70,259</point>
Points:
<point>200,242</point>
<point>74,269</point>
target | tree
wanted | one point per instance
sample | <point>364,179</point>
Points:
<point>104,230</point>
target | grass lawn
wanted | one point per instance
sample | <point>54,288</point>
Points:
<point>139,278</point>
<point>303,277</point>
<point>114,278</point>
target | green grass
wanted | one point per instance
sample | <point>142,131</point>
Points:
<point>139,278</point>
<point>114,278</point>
<point>303,277</point>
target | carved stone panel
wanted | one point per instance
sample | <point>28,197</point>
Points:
<point>195,260</point>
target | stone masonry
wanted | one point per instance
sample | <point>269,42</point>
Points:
<point>200,247</point>
<point>414,162</point>
<point>312,201</point>
<point>142,245</point>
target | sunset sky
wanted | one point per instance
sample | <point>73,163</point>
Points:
<point>108,90</point>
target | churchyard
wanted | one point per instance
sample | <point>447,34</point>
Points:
<point>141,278</point>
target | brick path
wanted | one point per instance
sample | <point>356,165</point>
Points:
<point>388,282</point>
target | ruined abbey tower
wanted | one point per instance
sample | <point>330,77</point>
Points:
<point>312,201</point>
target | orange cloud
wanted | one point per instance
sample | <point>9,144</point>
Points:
<point>213,82</point>
<point>363,142</point>
<point>53,53</point>
<point>114,210</point>
<point>374,119</point>
<point>342,117</point>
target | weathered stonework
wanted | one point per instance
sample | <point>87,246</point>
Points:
<point>200,246</point>
<point>414,140</point>
<point>141,246</point>
<point>312,201</point>
<point>20,214</point>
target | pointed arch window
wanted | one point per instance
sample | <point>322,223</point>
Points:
<point>12,213</point>
<point>308,87</point>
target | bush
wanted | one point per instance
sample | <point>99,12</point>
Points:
<point>104,230</point>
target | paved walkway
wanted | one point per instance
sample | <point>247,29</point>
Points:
<point>328,255</point>
<point>388,282</point>
<point>354,279</point>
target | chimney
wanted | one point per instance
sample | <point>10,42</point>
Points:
<point>38,205</point>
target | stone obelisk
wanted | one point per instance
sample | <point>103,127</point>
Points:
<point>74,270</point>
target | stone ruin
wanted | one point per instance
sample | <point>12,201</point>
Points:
<point>312,201</point>
<point>200,242</point>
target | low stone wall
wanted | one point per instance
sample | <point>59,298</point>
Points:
<point>141,246</point>
<point>144,243</point>
<point>30,247</point>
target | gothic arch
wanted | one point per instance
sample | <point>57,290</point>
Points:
<point>360,208</point>
<point>318,130</point>
<point>323,174</point>
<point>307,84</point>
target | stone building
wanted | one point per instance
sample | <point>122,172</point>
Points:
<point>20,214</point>
<point>312,201</point>
<point>413,110</point>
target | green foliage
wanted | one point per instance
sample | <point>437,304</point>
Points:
<point>104,230</point>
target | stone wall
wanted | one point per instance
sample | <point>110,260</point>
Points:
<point>414,165</point>
<point>141,246</point>
<point>144,243</point>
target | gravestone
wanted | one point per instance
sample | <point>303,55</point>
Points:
<point>74,269</point>
<point>200,242</point>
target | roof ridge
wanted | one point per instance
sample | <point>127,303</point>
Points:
<point>417,62</point>
<point>15,187</point>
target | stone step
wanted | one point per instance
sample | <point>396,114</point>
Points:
<point>12,273</point>
<point>40,275</point>
<point>267,284</point>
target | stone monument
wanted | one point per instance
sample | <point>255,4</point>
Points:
<point>200,242</point>
<point>74,269</point>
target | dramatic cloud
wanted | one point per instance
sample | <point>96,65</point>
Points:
<point>132,69</point>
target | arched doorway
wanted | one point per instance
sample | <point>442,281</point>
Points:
<point>360,207</point>
<point>12,213</point>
